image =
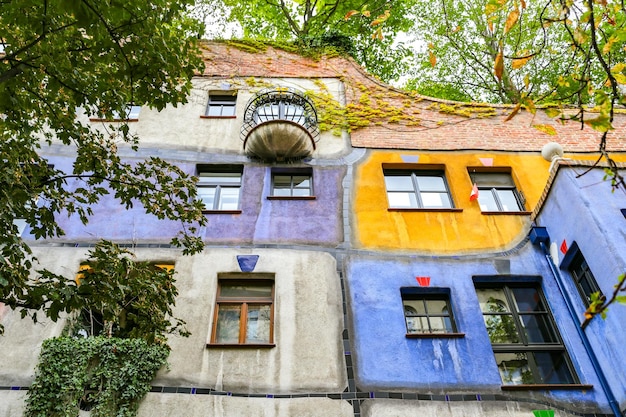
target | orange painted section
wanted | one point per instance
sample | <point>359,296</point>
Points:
<point>446,232</point>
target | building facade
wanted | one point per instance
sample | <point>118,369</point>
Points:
<point>369,252</point>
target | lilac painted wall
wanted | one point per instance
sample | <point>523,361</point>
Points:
<point>317,221</point>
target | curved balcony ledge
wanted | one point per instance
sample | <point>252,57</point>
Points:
<point>279,124</point>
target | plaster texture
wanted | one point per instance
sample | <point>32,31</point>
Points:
<point>12,403</point>
<point>315,222</point>
<point>585,211</point>
<point>396,408</point>
<point>387,360</point>
<point>175,405</point>
<point>182,127</point>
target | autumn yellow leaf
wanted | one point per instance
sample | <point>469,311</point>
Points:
<point>620,78</point>
<point>432,58</point>
<point>547,129</point>
<point>350,14</point>
<point>511,20</point>
<point>513,112</point>
<point>523,4</point>
<point>518,63</point>
<point>499,66</point>
<point>552,112</point>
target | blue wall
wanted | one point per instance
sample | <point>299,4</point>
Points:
<point>586,211</point>
<point>386,359</point>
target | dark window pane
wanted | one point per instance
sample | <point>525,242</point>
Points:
<point>538,328</point>
<point>553,368</point>
<point>250,290</point>
<point>527,300</point>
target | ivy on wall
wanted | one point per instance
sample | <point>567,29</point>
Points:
<point>108,376</point>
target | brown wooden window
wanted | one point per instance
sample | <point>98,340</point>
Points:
<point>244,312</point>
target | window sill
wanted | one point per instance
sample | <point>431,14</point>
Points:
<point>435,335</point>
<point>304,197</point>
<point>242,345</point>
<point>546,387</point>
<point>221,211</point>
<point>203,116</point>
<point>452,210</point>
<point>513,213</point>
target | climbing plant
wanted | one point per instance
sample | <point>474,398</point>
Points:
<point>108,376</point>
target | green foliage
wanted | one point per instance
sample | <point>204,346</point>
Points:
<point>324,23</point>
<point>446,91</point>
<point>134,299</point>
<point>109,374</point>
<point>62,58</point>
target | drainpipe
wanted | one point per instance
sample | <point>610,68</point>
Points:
<point>539,235</point>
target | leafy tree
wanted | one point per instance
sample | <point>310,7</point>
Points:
<point>308,22</point>
<point>60,58</point>
<point>464,40</point>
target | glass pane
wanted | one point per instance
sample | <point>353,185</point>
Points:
<point>553,368</point>
<point>527,300</point>
<point>229,199</point>
<point>414,307</point>
<point>508,200</point>
<point>486,200</point>
<point>402,200</point>
<point>514,369</point>
<point>435,200</point>
<point>219,178</point>
<point>258,326</point>
<point>492,300</point>
<point>501,329</point>
<point>228,324</point>
<point>301,181</point>
<point>245,290</point>
<point>301,192</point>
<point>431,183</point>
<point>399,183</point>
<point>417,325</point>
<point>214,111</point>
<point>492,179</point>
<point>282,181</point>
<point>207,195</point>
<point>228,110</point>
<point>441,324</point>
<point>436,306</point>
<point>538,328</point>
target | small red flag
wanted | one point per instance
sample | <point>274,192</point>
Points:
<point>564,247</point>
<point>474,194</point>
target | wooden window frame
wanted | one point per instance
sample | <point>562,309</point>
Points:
<point>244,302</point>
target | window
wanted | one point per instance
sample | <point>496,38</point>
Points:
<point>524,337</point>
<point>244,311</point>
<point>427,311</point>
<point>575,263</point>
<point>222,105</point>
<point>219,187</point>
<point>497,192</point>
<point>131,115</point>
<point>292,183</point>
<point>417,189</point>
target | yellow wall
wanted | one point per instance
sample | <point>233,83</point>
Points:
<point>445,232</point>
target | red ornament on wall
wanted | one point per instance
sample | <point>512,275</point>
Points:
<point>423,281</point>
